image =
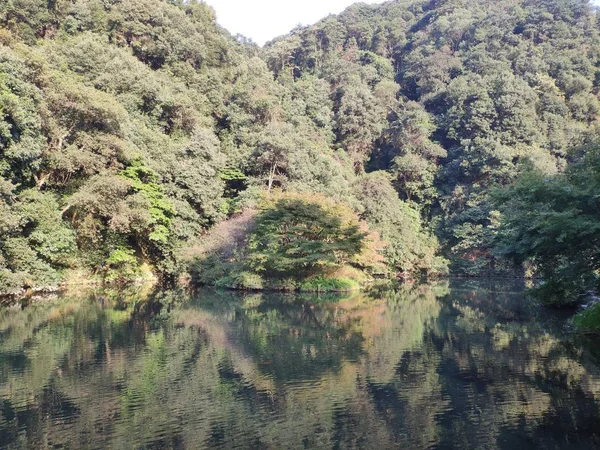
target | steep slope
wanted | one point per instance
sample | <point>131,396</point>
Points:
<point>128,128</point>
<point>451,97</point>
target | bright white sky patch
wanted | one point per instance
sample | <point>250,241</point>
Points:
<point>263,20</point>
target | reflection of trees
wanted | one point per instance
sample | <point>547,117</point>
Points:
<point>415,367</point>
<point>499,373</point>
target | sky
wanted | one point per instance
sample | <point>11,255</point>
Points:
<point>263,20</point>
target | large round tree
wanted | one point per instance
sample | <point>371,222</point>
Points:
<point>299,235</point>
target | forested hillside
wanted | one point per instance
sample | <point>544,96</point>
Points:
<point>451,97</point>
<point>134,134</point>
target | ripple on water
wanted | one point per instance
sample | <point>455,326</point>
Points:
<point>440,369</point>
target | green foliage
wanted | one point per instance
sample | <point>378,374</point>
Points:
<point>411,248</point>
<point>52,238</point>
<point>360,120</point>
<point>209,270</point>
<point>121,265</point>
<point>296,236</point>
<point>241,280</point>
<point>35,244</point>
<point>21,134</point>
<point>413,156</point>
<point>24,267</point>
<point>560,290</point>
<point>588,320</point>
<point>553,222</point>
<point>296,241</point>
<point>161,210</point>
<point>142,124</point>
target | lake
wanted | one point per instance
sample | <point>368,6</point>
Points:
<point>457,365</point>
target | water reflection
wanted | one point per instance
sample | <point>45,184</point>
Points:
<point>440,367</point>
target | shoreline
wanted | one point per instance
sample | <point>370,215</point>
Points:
<point>11,297</point>
<point>40,290</point>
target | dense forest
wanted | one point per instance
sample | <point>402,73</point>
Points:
<point>414,137</point>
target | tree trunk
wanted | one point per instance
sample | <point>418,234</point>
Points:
<point>272,172</point>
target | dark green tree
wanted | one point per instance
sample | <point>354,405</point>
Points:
<point>298,235</point>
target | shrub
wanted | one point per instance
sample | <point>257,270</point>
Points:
<point>558,292</point>
<point>588,320</point>
<point>121,265</point>
<point>284,284</point>
<point>208,270</point>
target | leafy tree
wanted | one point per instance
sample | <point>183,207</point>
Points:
<point>298,235</point>
<point>359,120</point>
<point>552,222</point>
<point>22,140</point>
<point>411,249</point>
<point>275,144</point>
<point>412,158</point>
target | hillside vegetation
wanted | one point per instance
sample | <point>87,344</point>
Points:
<point>132,132</point>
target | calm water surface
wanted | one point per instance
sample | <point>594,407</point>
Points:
<point>431,367</point>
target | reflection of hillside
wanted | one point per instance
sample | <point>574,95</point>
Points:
<point>290,343</point>
<point>500,371</point>
<point>414,367</point>
<point>406,315</point>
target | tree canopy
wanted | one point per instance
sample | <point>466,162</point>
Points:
<point>553,222</point>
